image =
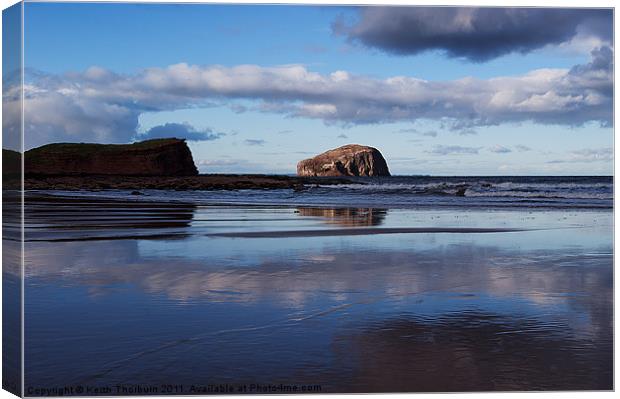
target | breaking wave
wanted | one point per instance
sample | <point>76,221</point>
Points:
<point>483,188</point>
<point>408,192</point>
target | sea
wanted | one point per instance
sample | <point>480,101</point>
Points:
<point>410,192</point>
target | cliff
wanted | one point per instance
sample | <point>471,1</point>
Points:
<point>348,160</point>
<point>11,163</point>
<point>161,157</point>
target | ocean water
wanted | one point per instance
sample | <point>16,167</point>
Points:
<point>193,292</point>
<point>411,191</point>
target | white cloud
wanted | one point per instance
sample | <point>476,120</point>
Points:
<point>588,155</point>
<point>453,149</point>
<point>428,133</point>
<point>500,149</point>
<point>258,142</point>
<point>99,105</point>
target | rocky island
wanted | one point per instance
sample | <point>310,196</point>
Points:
<point>348,160</point>
<point>160,157</point>
<point>162,164</point>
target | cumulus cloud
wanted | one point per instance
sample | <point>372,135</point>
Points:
<point>428,133</point>
<point>453,149</point>
<point>101,106</point>
<point>179,130</point>
<point>217,162</point>
<point>342,136</point>
<point>254,142</point>
<point>500,149</point>
<point>522,148</point>
<point>237,165</point>
<point>588,155</point>
<point>473,33</point>
<point>238,108</point>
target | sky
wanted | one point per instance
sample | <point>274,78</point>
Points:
<point>439,91</point>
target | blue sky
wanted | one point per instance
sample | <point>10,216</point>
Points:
<point>320,77</point>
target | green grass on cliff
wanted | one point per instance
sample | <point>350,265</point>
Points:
<point>86,149</point>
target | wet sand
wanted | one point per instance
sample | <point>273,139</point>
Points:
<point>149,293</point>
<point>360,231</point>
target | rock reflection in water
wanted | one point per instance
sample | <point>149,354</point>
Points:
<point>348,217</point>
<point>74,219</point>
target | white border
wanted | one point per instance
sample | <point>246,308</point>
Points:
<point>488,3</point>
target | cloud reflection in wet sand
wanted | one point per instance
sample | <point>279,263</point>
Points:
<point>442,330</point>
<point>459,315</point>
<point>308,273</point>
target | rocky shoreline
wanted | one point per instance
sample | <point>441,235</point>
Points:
<point>199,182</point>
<point>168,164</point>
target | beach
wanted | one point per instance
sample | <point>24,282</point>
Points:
<point>134,292</point>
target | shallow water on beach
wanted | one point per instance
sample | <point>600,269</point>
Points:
<point>159,293</point>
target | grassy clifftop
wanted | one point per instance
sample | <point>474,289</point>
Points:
<point>87,149</point>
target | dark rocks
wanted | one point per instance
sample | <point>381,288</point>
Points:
<point>299,188</point>
<point>181,183</point>
<point>161,157</point>
<point>348,160</point>
<point>460,190</point>
<point>11,163</point>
